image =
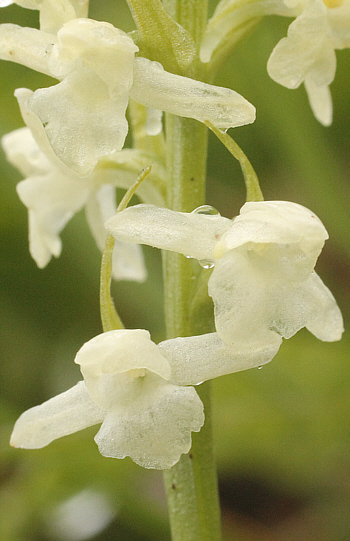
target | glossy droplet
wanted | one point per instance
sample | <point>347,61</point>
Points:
<point>208,210</point>
<point>206,263</point>
<point>259,367</point>
<point>154,121</point>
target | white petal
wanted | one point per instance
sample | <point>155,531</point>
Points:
<point>325,320</point>
<point>99,47</point>
<point>339,22</point>
<point>23,152</point>
<point>52,200</point>
<point>154,427</point>
<point>27,46</point>
<point>115,352</point>
<point>128,261</point>
<point>244,304</point>
<point>307,48</point>
<point>257,294</point>
<point>199,358</point>
<point>43,244</point>
<point>24,96</point>
<point>82,123</point>
<point>53,13</point>
<point>275,222</point>
<point>154,87</point>
<point>193,235</point>
<point>64,414</point>
<point>320,100</point>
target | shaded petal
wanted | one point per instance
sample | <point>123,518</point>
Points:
<point>182,96</point>
<point>64,414</point>
<point>154,427</point>
<point>24,96</point>
<point>27,46</point>
<point>254,298</point>
<point>306,48</point>
<point>243,302</point>
<point>325,320</point>
<point>191,234</point>
<point>198,358</point>
<point>53,13</point>
<point>51,200</point>
<point>339,23</point>
<point>128,261</point>
<point>23,152</point>
<point>82,123</point>
<point>320,100</point>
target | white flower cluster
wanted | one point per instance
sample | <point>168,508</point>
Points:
<point>264,288</point>
<point>306,55</point>
<point>71,154</point>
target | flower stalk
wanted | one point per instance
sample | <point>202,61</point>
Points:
<point>191,485</point>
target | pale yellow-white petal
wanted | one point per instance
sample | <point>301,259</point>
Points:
<point>325,320</point>
<point>27,46</point>
<point>154,427</point>
<point>199,358</point>
<point>82,123</point>
<point>128,262</point>
<point>182,96</point>
<point>64,414</point>
<point>191,234</point>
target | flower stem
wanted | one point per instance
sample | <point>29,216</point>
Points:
<point>191,485</point>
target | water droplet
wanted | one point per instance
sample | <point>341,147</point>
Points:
<point>207,263</point>
<point>154,121</point>
<point>259,367</point>
<point>49,48</point>
<point>208,210</point>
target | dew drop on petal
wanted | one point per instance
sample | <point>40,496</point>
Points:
<point>260,367</point>
<point>208,210</point>
<point>207,263</point>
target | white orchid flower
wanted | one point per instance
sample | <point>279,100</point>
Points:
<point>84,115</point>
<point>53,194</point>
<point>307,55</point>
<point>126,387</point>
<point>263,283</point>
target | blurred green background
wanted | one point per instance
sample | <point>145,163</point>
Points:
<point>282,433</point>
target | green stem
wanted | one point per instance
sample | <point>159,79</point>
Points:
<point>191,485</point>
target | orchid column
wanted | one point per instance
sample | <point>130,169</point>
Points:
<point>191,485</point>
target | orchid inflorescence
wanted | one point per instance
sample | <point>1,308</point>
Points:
<point>71,154</point>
